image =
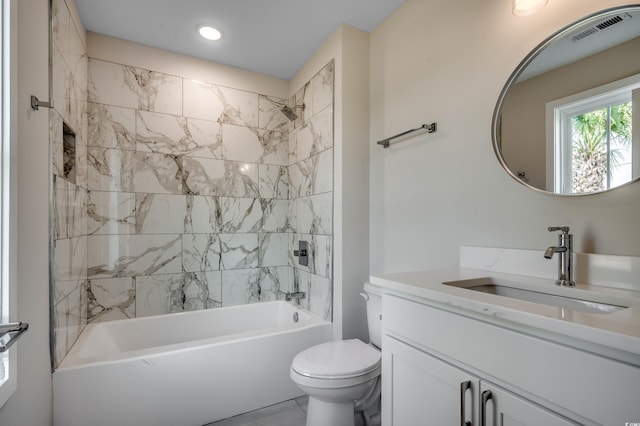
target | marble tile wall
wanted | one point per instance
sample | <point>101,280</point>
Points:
<point>68,179</point>
<point>182,194</point>
<point>311,190</point>
<point>189,194</point>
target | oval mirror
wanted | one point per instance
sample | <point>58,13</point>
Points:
<point>568,119</point>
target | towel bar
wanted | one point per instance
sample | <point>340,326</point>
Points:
<point>430,128</point>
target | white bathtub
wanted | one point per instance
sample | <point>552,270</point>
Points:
<point>183,369</point>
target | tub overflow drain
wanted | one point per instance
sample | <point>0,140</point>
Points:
<point>295,317</point>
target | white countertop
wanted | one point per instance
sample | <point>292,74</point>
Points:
<point>608,332</point>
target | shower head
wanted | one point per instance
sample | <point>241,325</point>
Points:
<point>290,113</point>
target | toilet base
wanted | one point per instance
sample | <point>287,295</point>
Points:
<point>322,413</point>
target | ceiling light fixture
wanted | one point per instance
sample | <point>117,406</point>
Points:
<point>527,7</point>
<point>209,32</point>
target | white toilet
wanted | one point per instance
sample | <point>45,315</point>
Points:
<point>343,377</point>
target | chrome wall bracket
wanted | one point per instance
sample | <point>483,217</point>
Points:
<point>10,332</point>
<point>37,103</point>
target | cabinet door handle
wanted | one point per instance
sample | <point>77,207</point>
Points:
<point>464,387</point>
<point>486,396</point>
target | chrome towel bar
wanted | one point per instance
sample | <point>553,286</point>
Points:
<point>430,128</point>
<point>10,332</point>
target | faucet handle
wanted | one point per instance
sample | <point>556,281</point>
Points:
<point>564,229</point>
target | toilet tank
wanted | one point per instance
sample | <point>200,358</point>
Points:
<point>373,295</point>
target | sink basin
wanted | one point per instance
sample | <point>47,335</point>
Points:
<point>538,296</point>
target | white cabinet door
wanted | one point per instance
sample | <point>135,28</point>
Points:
<point>418,389</point>
<point>502,408</point>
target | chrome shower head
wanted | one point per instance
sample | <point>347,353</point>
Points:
<point>290,113</point>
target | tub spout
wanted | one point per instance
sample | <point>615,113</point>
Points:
<point>288,296</point>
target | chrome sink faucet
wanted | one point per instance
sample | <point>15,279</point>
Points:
<point>565,255</point>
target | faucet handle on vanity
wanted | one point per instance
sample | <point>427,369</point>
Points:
<point>565,258</point>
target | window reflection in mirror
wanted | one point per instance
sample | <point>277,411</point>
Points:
<point>572,79</point>
<point>591,137</point>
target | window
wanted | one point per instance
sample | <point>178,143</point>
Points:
<point>8,300</point>
<point>591,143</point>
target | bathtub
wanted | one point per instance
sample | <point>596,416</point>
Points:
<point>184,369</point>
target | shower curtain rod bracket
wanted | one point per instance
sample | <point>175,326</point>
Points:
<point>37,103</point>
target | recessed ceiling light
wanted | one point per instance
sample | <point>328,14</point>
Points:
<point>209,33</point>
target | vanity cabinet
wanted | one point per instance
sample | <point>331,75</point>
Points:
<point>420,389</point>
<point>423,390</point>
<point>445,368</point>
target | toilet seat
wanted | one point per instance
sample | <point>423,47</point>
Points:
<point>344,359</point>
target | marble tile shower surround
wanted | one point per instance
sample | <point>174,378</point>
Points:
<point>181,195</point>
<point>311,190</point>
<point>195,200</point>
<point>69,179</point>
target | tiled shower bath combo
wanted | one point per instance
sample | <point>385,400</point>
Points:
<point>174,195</point>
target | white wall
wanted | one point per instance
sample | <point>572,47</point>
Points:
<point>31,404</point>
<point>352,183</point>
<point>442,61</point>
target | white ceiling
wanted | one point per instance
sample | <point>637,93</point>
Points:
<point>273,37</point>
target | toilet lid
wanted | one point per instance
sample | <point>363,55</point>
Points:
<point>339,359</point>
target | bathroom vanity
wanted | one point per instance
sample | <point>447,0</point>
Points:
<point>455,354</point>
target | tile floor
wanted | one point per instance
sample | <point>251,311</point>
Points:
<point>288,413</point>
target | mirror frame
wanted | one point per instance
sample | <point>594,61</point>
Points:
<point>496,121</point>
